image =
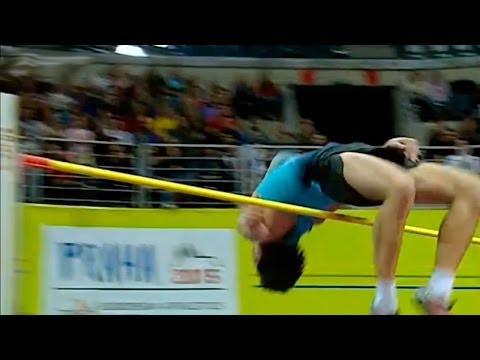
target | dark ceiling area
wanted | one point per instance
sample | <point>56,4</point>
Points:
<point>261,51</point>
<point>284,51</point>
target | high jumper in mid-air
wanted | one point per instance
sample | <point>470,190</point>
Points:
<point>392,177</point>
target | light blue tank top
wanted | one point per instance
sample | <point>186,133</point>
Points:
<point>283,183</point>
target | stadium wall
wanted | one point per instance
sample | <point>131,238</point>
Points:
<point>227,76</point>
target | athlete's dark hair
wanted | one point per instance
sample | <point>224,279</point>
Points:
<point>280,266</point>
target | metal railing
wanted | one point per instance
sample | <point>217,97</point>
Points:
<point>236,169</point>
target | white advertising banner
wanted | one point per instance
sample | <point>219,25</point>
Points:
<point>90,270</point>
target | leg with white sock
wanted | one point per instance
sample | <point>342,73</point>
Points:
<point>461,190</point>
<point>441,284</point>
<point>381,181</point>
<point>385,301</point>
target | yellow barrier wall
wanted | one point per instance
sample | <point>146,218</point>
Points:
<point>338,277</point>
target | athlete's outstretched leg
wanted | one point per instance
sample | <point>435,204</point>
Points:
<point>381,181</point>
<point>442,184</point>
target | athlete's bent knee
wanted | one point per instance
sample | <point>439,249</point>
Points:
<point>471,194</point>
<point>402,190</point>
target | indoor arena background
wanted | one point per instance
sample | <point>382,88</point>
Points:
<point>213,116</point>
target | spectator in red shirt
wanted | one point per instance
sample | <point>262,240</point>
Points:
<point>269,98</point>
<point>266,87</point>
<point>223,120</point>
<point>135,119</point>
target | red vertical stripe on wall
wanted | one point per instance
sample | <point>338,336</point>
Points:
<point>371,77</point>
<point>307,76</point>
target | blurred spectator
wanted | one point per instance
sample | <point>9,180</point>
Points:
<point>469,132</point>
<point>257,136</point>
<point>144,135</point>
<point>59,100</point>
<point>54,151</point>
<point>170,166</point>
<point>116,159</point>
<point>155,84</point>
<point>169,163</point>
<point>29,97</point>
<point>307,130</point>
<point>50,126</point>
<point>141,94</point>
<point>112,78</point>
<point>226,123</point>
<point>417,89</point>
<point>134,116</point>
<point>416,84</point>
<point>80,140</point>
<point>29,125</point>
<point>28,143</point>
<point>209,110</point>
<point>119,77</point>
<point>174,90</point>
<point>243,99</point>
<point>60,187</point>
<point>184,133</point>
<point>269,98</point>
<point>193,95</point>
<point>318,139</point>
<point>441,137</point>
<point>463,101</point>
<point>438,89</point>
<point>37,121</point>
<point>282,135</point>
<point>137,123</point>
<point>463,158</point>
<point>217,171</point>
<point>164,123</point>
<point>212,135</point>
<point>8,82</point>
<point>266,88</point>
<point>175,81</point>
<point>200,92</point>
<point>250,168</point>
<point>112,128</point>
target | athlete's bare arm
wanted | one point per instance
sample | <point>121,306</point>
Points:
<point>264,225</point>
<point>253,228</point>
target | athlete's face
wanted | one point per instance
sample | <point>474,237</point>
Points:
<point>257,252</point>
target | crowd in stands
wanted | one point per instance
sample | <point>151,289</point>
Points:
<point>452,111</point>
<point>118,115</point>
<point>138,124</point>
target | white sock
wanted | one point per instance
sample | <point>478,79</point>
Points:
<point>386,296</point>
<point>441,284</point>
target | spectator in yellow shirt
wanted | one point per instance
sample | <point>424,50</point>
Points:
<point>164,122</point>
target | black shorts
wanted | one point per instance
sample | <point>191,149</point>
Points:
<point>326,168</point>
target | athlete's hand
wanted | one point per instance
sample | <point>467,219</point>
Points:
<point>249,221</point>
<point>409,146</point>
